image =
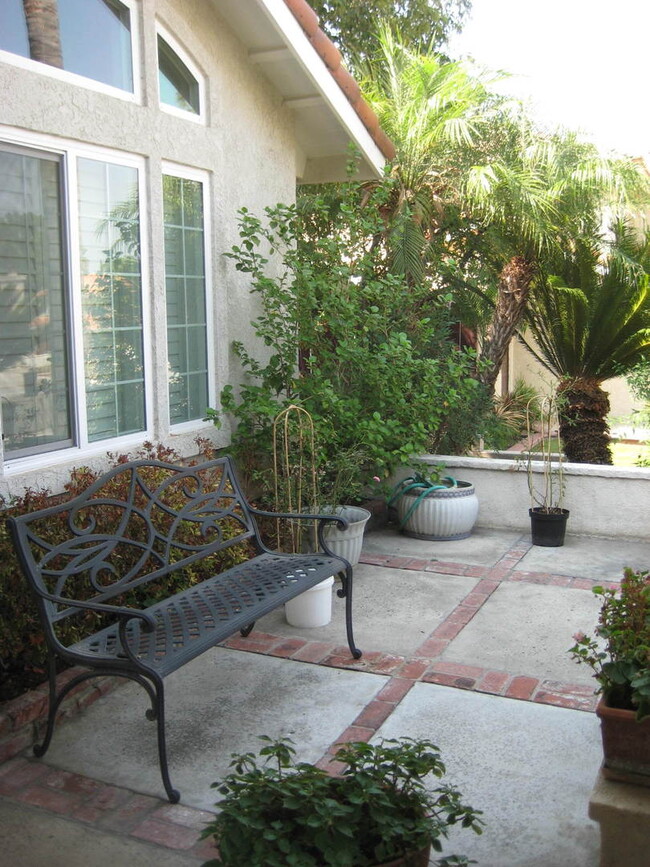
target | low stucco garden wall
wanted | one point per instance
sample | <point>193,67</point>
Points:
<point>603,500</point>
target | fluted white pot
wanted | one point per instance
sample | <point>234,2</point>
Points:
<point>443,514</point>
<point>348,543</point>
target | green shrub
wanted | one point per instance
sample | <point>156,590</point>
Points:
<point>363,350</point>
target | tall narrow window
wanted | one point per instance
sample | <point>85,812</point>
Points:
<point>34,367</point>
<point>179,87</point>
<point>109,231</point>
<point>88,37</point>
<point>186,298</point>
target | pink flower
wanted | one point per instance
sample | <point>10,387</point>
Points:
<point>376,479</point>
<point>579,636</point>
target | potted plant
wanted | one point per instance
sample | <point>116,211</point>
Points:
<point>432,506</point>
<point>619,655</point>
<point>377,812</point>
<point>545,475</point>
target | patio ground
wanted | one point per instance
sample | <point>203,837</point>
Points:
<point>464,643</point>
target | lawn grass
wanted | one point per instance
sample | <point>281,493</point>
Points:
<point>624,454</point>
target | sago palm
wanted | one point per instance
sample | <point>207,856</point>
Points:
<point>591,322</point>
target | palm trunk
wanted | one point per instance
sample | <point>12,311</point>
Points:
<point>514,289</point>
<point>583,409</point>
<point>42,17</point>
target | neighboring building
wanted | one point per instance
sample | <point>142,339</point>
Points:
<point>125,154</point>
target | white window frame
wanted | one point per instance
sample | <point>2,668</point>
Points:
<point>193,67</point>
<point>203,177</point>
<point>81,80</point>
<point>69,152</point>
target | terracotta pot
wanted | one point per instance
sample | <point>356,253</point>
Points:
<point>410,859</point>
<point>626,744</point>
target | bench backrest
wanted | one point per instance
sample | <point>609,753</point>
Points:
<point>135,524</point>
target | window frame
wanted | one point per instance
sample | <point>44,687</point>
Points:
<point>203,177</point>
<point>68,153</point>
<point>201,117</point>
<point>81,80</point>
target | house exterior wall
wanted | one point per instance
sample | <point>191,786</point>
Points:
<point>246,147</point>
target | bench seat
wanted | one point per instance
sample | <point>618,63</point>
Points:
<point>196,619</point>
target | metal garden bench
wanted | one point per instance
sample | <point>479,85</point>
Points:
<point>151,523</point>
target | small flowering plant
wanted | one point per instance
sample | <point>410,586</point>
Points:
<point>619,653</point>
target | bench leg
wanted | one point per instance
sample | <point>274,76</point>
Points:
<point>55,700</point>
<point>345,592</point>
<point>159,711</point>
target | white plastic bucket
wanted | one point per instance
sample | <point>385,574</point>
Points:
<point>313,607</point>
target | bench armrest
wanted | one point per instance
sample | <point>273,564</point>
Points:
<point>120,611</point>
<point>341,523</point>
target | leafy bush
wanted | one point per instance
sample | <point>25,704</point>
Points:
<point>506,424</point>
<point>288,813</point>
<point>619,653</point>
<point>364,351</point>
<point>22,645</point>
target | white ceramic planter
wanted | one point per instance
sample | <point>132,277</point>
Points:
<point>348,543</point>
<point>445,514</point>
<point>311,608</point>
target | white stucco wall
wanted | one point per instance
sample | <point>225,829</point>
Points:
<point>247,146</point>
<point>602,500</point>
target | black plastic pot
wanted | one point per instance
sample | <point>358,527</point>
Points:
<point>548,528</point>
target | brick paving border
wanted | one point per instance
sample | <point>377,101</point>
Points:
<point>117,810</point>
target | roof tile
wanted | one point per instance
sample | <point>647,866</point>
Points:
<point>331,56</point>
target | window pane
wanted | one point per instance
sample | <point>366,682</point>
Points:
<point>34,380</point>
<point>178,87</point>
<point>89,37</point>
<point>187,346</point>
<point>109,221</point>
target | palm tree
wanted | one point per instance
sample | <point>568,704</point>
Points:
<point>538,193</point>
<point>434,111</point>
<point>42,19</point>
<point>591,322</point>
<point>476,182</point>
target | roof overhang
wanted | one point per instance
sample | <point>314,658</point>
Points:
<point>325,120</point>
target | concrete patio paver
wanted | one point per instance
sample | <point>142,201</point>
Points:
<point>527,629</point>
<point>384,604</point>
<point>216,705</point>
<point>590,557</point>
<point>529,767</point>
<point>482,548</point>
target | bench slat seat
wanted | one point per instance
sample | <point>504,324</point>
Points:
<point>196,619</point>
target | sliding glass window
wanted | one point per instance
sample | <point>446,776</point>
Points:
<point>34,354</point>
<point>72,361</point>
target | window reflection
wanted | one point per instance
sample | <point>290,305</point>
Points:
<point>88,37</point>
<point>34,376</point>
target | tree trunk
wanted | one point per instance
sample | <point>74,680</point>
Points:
<point>583,407</point>
<point>512,297</point>
<point>42,17</point>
